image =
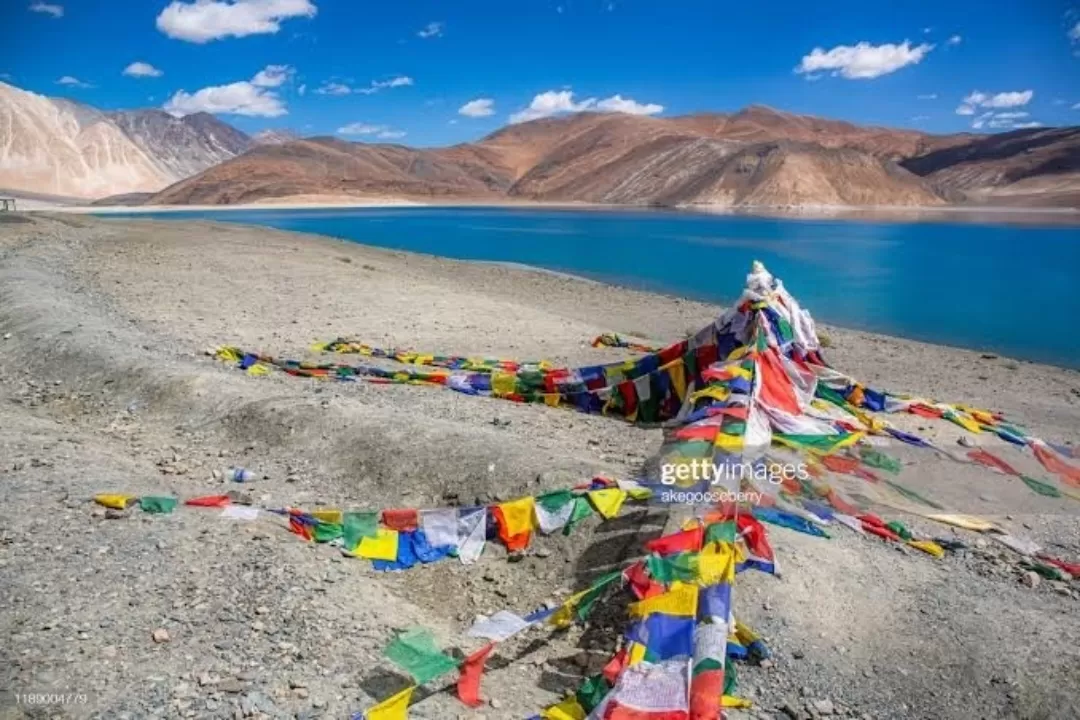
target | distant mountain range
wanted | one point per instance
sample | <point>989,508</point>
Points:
<point>757,157</point>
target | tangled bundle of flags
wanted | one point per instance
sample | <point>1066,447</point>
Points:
<point>674,661</point>
<point>750,390</point>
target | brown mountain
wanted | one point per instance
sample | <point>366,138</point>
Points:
<point>755,157</point>
<point>1022,167</point>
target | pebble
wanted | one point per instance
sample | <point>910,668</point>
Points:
<point>823,707</point>
<point>161,635</point>
<point>1031,579</point>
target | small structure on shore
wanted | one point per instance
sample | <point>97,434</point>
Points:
<point>7,204</point>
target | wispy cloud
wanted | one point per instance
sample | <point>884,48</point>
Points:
<point>251,98</point>
<point>1074,32</point>
<point>205,20</point>
<point>141,69</point>
<point>431,30</point>
<point>337,88</point>
<point>1003,121</point>
<point>57,11</point>
<point>273,76</point>
<point>558,102</point>
<point>977,99</point>
<point>863,61</point>
<point>74,82</point>
<point>478,108</point>
<point>382,132</point>
<point>954,40</point>
<point>928,96</point>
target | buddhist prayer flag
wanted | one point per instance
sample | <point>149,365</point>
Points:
<point>208,501</point>
<point>116,502</point>
<point>608,501</point>
<point>649,691</point>
<point>440,526</point>
<point>498,627</point>
<point>162,505</point>
<point>472,532</point>
<point>568,709</point>
<point>581,510</point>
<point>394,707</point>
<point>358,525</point>
<point>515,520</point>
<point>553,510</point>
<point>383,546</point>
<point>414,651</point>
<point>468,685</point>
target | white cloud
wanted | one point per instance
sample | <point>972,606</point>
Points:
<point>1076,106</point>
<point>929,96</point>
<point>1002,121</point>
<point>382,132</point>
<point>557,102</point>
<point>920,118</point>
<point>333,88</point>
<point>57,11</point>
<point>1012,115</point>
<point>1074,32</point>
<point>358,128</point>
<point>954,40</point>
<point>927,30</point>
<point>336,88</point>
<point>205,20</point>
<point>431,30</point>
<point>863,61</point>
<point>272,76</point>
<point>302,90</point>
<point>619,104</point>
<point>75,82</point>
<point>480,107</point>
<point>248,98</point>
<point>1033,124</point>
<point>141,69</point>
<point>978,99</point>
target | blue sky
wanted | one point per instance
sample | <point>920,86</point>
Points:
<point>408,71</point>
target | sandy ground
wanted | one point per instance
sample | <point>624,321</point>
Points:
<point>104,387</point>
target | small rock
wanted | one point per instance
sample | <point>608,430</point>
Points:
<point>231,685</point>
<point>494,703</point>
<point>262,610</point>
<point>1031,579</point>
<point>823,707</point>
<point>542,553</point>
<point>296,683</point>
<point>114,514</point>
<point>161,635</point>
<point>797,654</point>
<point>301,692</point>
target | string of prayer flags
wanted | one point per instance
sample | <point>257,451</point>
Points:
<point>515,522</point>
<point>498,627</point>
<point>415,652</point>
<point>358,525</point>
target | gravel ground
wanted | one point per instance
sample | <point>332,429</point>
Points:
<point>104,386</point>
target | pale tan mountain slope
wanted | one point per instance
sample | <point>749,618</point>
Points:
<point>64,148</point>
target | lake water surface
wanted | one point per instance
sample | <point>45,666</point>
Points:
<point>1012,289</point>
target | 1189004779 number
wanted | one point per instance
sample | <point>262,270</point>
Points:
<point>49,698</point>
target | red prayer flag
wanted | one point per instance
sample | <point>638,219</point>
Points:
<point>615,666</point>
<point>402,519</point>
<point>1056,465</point>
<point>468,684</point>
<point>209,501</point>
<point>880,531</point>
<point>992,461</point>
<point>513,543</point>
<point>682,541</point>
<point>840,463</point>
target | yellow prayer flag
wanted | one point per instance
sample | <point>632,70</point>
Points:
<point>928,546</point>
<point>729,443</point>
<point>968,522</point>
<point>564,616</point>
<point>680,600</point>
<point>329,515</point>
<point>117,502</point>
<point>384,546</point>
<point>502,383</point>
<point>258,370</point>
<point>716,564</point>
<point>677,372</point>
<point>395,707</point>
<point>964,421</point>
<point>607,501</point>
<point>227,354</point>
<point>519,515</point>
<point>716,392</point>
<point>730,701</point>
<point>636,654</point>
<point>551,399</point>
<point>568,709</point>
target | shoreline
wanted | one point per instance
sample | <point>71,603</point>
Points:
<point>901,213</point>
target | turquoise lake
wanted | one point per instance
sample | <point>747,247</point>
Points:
<point>1009,289</point>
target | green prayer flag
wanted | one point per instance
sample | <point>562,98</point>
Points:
<point>877,459</point>
<point>592,692</point>
<point>706,665</point>
<point>582,509</point>
<point>1040,487</point>
<point>359,525</point>
<point>554,501</point>
<point>163,505</point>
<point>723,531</point>
<point>585,604</point>
<point>666,570</point>
<point>415,652</point>
<point>898,527</point>
<point>912,495</point>
<point>731,677</point>
<point>327,531</point>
